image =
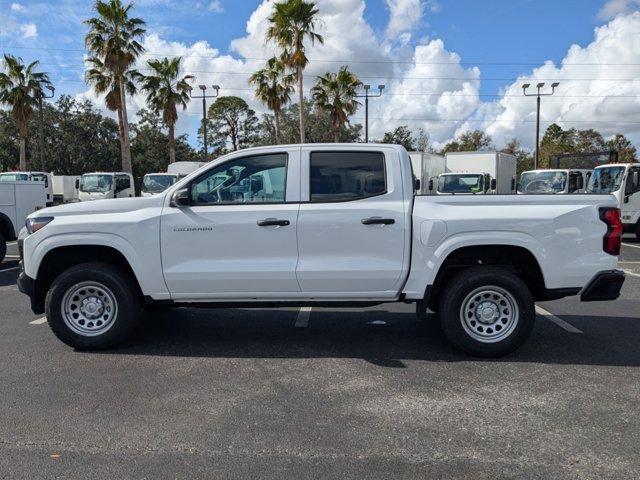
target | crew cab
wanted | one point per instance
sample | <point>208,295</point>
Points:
<point>320,224</point>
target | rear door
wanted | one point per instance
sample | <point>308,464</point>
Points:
<point>238,236</point>
<point>352,223</point>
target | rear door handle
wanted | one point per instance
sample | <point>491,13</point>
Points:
<point>378,221</point>
<point>273,222</point>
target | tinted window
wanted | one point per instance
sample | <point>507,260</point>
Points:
<point>343,176</point>
<point>258,179</point>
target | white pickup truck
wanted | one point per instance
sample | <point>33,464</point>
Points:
<point>339,224</point>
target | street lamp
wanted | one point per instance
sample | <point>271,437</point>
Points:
<point>366,97</point>
<point>539,94</point>
<point>40,95</point>
<point>204,97</point>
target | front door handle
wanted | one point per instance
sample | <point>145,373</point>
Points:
<point>273,222</point>
<point>378,221</point>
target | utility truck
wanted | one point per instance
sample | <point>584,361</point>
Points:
<point>65,188</point>
<point>337,225</point>
<point>102,185</point>
<point>44,177</point>
<point>153,183</point>
<point>478,173</point>
<point>17,200</point>
<point>427,167</point>
<point>622,180</point>
<point>556,181</point>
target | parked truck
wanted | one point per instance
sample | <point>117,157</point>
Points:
<point>342,225</point>
<point>66,188</point>
<point>427,167</point>
<point>102,185</point>
<point>478,173</point>
<point>622,180</point>
<point>154,183</point>
<point>556,181</point>
<point>17,200</point>
<point>44,177</point>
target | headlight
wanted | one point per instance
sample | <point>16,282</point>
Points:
<point>36,223</point>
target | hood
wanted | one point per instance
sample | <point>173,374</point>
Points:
<point>111,205</point>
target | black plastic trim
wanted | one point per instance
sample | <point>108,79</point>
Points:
<point>604,286</point>
<point>27,285</point>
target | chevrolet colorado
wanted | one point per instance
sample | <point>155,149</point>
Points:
<point>334,224</point>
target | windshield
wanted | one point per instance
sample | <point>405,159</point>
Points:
<point>605,180</point>
<point>157,183</point>
<point>14,177</point>
<point>96,183</point>
<point>543,182</point>
<point>462,183</point>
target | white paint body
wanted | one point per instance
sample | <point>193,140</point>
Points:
<point>568,174</point>
<point>112,191</point>
<point>44,177</point>
<point>219,253</point>
<point>18,200</point>
<point>427,167</point>
<point>626,192</point>
<point>499,166</point>
<point>65,188</point>
<point>182,169</point>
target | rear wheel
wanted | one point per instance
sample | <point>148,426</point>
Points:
<point>93,306</point>
<point>487,311</point>
<point>3,247</point>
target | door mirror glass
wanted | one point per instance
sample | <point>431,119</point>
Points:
<point>181,198</point>
<point>494,184</point>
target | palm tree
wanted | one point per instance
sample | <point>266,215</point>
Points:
<point>104,82</point>
<point>19,89</point>
<point>113,38</point>
<point>165,91</point>
<point>291,22</point>
<point>273,88</point>
<point>335,93</point>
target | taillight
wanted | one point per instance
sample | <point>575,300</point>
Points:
<point>612,240</point>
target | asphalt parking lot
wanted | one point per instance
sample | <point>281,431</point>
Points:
<point>326,393</point>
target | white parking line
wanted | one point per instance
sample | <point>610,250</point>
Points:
<point>12,243</point>
<point>12,256</point>
<point>303,317</point>
<point>39,321</point>
<point>633,274</point>
<point>557,320</point>
<point>630,245</point>
<point>10,269</point>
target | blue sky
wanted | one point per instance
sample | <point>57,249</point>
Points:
<point>489,44</point>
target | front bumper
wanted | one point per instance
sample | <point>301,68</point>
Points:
<point>604,286</point>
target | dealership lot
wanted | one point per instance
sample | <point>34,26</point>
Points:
<point>326,393</point>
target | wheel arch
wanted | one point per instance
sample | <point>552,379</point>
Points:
<point>6,227</point>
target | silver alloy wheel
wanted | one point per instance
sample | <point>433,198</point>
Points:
<point>89,308</point>
<point>489,314</point>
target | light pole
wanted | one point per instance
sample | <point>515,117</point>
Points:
<point>40,95</point>
<point>204,97</point>
<point>538,95</point>
<point>366,97</point>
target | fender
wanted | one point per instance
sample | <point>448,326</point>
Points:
<point>149,277</point>
<point>429,260</point>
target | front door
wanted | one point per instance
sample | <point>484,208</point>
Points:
<point>238,236</point>
<point>631,199</point>
<point>351,226</point>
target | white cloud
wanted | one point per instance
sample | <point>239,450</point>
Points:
<point>404,16</point>
<point>216,6</point>
<point>29,30</point>
<point>16,7</point>
<point>612,8</point>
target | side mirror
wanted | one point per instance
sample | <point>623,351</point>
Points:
<point>626,199</point>
<point>431,185</point>
<point>416,184</point>
<point>181,198</point>
<point>579,183</point>
<point>77,184</point>
<point>494,184</point>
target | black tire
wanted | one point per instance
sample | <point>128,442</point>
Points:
<point>637,231</point>
<point>120,285</point>
<point>3,247</point>
<point>515,332</point>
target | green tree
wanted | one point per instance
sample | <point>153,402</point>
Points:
<point>290,23</point>
<point>230,121</point>
<point>335,93</point>
<point>104,82</point>
<point>19,88</point>
<point>165,92</point>
<point>273,88</point>
<point>400,136</point>
<point>113,38</point>
<point>9,150</point>
<point>524,158</point>
<point>588,141</point>
<point>555,141</point>
<point>471,141</point>
<point>622,145</point>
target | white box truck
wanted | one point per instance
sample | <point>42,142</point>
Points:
<point>556,181</point>
<point>426,168</point>
<point>478,173</point>
<point>17,201</point>
<point>101,185</point>
<point>66,188</point>
<point>153,183</point>
<point>622,180</point>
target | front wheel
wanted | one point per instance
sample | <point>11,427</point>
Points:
<point>487,311</point>
<point>637,232</point>
<point>93,306</point>
<point>3,247</point>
